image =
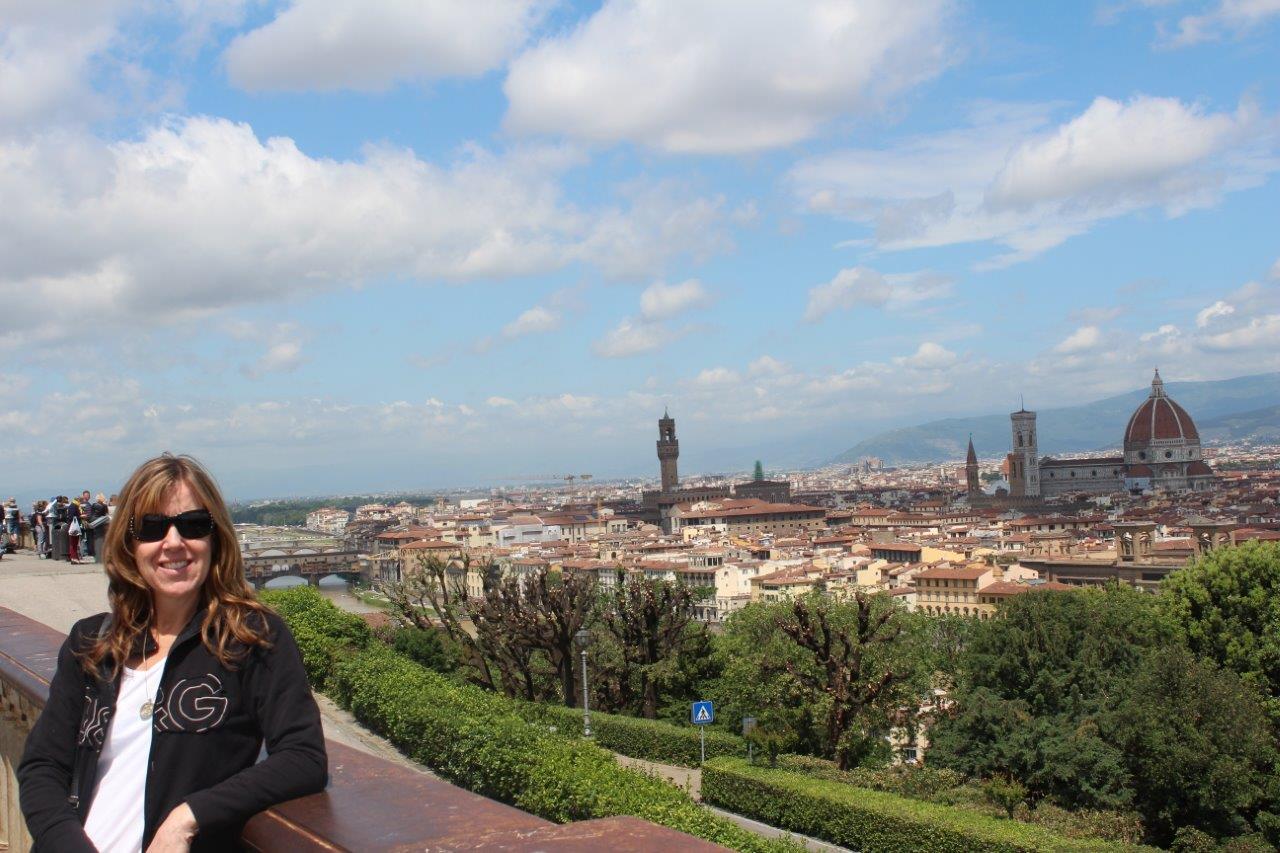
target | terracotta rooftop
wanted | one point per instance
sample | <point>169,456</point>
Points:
<point>1013,588</point>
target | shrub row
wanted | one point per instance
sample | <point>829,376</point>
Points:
<point>872,821</point>
<point>916,782</point>
<point>949,788</point>
<point>475,739</point>
<point>650,740</point>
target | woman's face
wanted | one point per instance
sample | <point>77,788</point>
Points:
<point>175,568</point>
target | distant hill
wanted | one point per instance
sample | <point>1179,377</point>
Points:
<point>1224,410</point>
<point>1260,425</point>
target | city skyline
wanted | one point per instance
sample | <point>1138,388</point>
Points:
<point>324,250</point>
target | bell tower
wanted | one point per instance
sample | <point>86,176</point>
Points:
<point>1024,474</point>
<point>668,452</point>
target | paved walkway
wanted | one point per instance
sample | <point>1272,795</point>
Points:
<point>54,592</point>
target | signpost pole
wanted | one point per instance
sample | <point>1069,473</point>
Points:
<point>702,730</point>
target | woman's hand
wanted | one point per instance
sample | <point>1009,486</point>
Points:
<point>176,833</point>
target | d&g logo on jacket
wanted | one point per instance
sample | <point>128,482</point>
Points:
<point>192,705</point>
<point>93,724</point>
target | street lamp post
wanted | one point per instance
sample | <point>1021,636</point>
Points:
<point>583,638</point>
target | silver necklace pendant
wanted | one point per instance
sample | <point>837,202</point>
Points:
<point>145,711</point>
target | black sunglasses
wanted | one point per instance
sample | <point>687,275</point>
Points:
<point>193,524</point>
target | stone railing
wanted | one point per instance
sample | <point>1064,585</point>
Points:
<point>371,804</point>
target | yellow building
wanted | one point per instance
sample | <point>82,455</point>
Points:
<point>955,591</point>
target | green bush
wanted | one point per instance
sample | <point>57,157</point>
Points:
<point>908,780</point>
<point>871,821</point>
<point>650,740</point>
<point>1086,823</point>
<point>424,647</point>
<point>475,739</point>
<point>323,632</point>
<point>304,606</point>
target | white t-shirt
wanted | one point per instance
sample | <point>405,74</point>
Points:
<point>116,817</point>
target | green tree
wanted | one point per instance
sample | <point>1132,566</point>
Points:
<point>502,620</point>
<point>544,611</point>
<point>753,655</point>
<point>1032,684</point>
<point>433,593</point>
<point>759,472</point>
<point>652,623</point>
<point>1005,793</point>
<point>845,665</point>
<point>1226,605</point>
<point>1197,738</point>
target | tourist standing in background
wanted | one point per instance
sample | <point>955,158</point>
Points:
<point>101,516</point>
<point>38,528</point>
<point>74,529</point>
<point>12,522</point>
<point>86,522</point>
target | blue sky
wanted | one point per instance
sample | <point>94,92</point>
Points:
<point>414,243</point>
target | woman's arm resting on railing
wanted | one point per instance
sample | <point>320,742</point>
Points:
<point>296,764</point>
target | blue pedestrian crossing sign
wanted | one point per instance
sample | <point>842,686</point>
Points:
<point>703,712</point>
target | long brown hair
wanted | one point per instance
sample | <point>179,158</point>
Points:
<point>233,621</point>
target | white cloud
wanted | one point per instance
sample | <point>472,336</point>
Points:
<point>334,44</point>
<point>766,365</point>
<point>201,214</point>
<point>1274,274</point>
<point>537,320</point>
<point>1217,309</point>
<point>1227,18</point>
<point>1258,332</point>
<point>1081,340</point>
<point>657,220</point>
<point>632,337</point>
<point>1013,179</point>
<point>500,402</point>
<point>281,357</point>
<point>928,356</point>
<point>46,50</point>
<point>1232,336</point>
<point>1116,154</point>
<point>714,377</point>
<point>651,329</point>
<point>864,286</point>
<point>661,301</point>
<point>672,74</point>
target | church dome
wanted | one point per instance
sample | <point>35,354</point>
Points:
<point>1159,419</point>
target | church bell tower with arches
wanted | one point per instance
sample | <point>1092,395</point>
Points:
<point>1024,461</point>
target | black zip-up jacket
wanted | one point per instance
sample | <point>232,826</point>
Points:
<point>208,730</point>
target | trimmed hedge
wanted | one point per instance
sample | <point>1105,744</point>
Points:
<point>872,821</point>
<point>650,740</point>
<point>920,783</point>
<point>323,631</point>
<point>475,739</point>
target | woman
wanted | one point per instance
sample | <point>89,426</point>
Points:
<point>74,528</point>
<point>159,708</point>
